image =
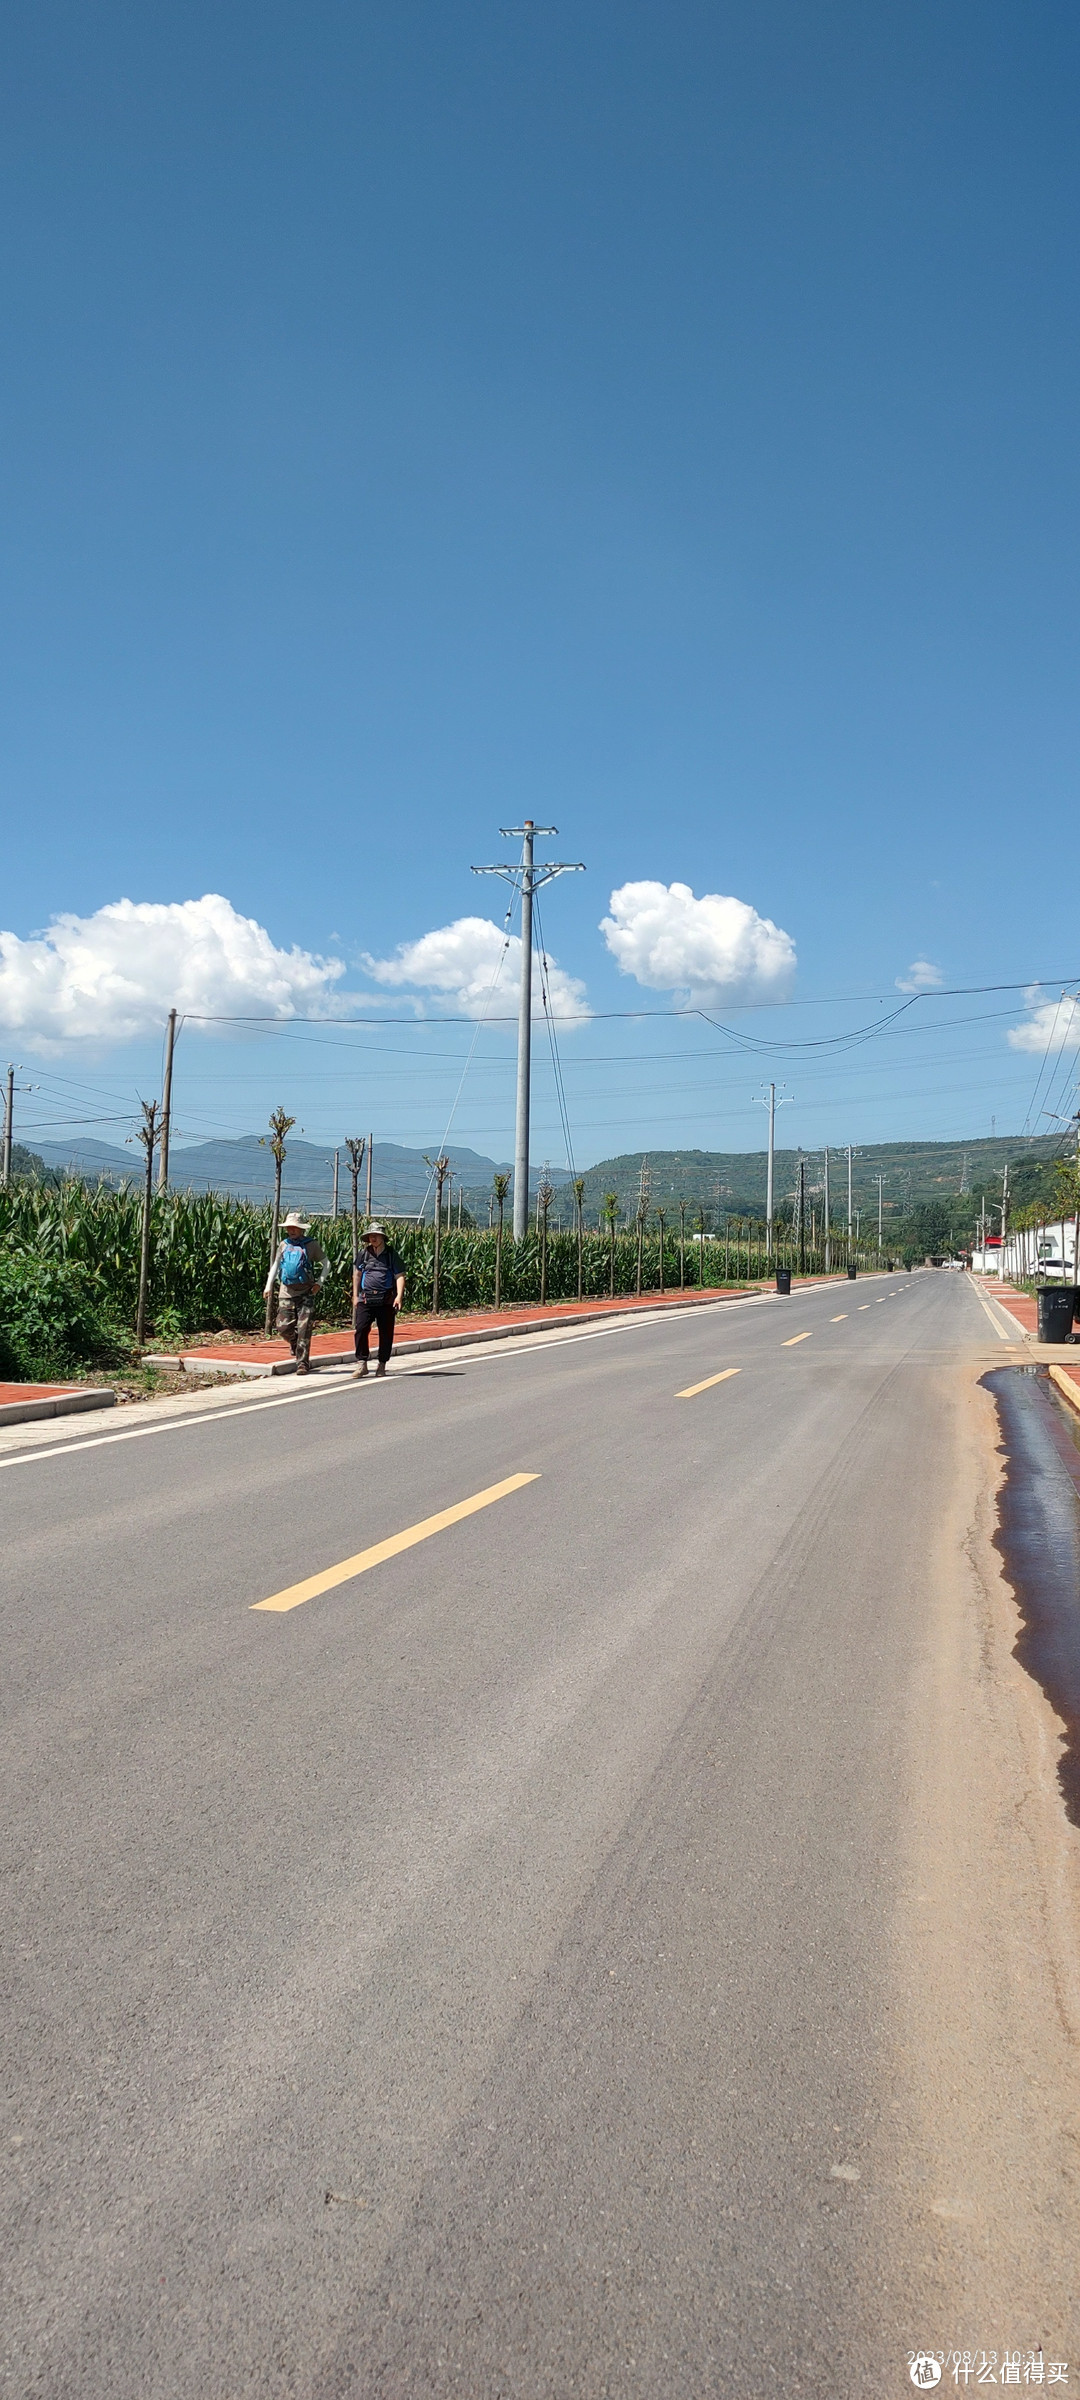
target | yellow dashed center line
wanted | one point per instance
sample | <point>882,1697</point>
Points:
<point>693,1389</point>
<point>793,1338</point>
<point>296,1593</point>
<point>841,1319</point>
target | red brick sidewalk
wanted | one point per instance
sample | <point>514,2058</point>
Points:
<point>416,1332</point>
<point>1016,1304</point>
<point>1024,1311</point>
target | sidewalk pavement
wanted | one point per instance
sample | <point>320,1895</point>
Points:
<point>1023,1310</point>
<point>257,1356</point>
<point>23,1402</point>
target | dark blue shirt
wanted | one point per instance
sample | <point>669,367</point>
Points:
<point>378,1271</point>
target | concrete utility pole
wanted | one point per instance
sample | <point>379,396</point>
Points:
<point>526,878</point>
<point>370,1156</point>
<point>9,1125</point>
<point>166,1106</point>
<point>770,1101</point>
<point>879,1180</point>
<point>337,1163</point>
<point>148,1133</point>
<point>1004,1221</point>
<point>440,1168</point>
<point>825,1203</point>
<point>850,1219</point>
<point>769,1170</point>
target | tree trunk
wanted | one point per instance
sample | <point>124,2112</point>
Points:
<point>271,1301</point>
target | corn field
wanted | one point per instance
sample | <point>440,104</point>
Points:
<point>209,1256</point>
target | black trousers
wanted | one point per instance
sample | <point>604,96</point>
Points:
<point>375,1312</point>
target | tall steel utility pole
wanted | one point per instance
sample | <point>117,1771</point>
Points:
<point>9,1124</point>
<point>770,1101</point>
<point>166,1106</point>
<point>526,878</point>
<point>769,1171</point>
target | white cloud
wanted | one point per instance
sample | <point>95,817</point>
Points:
<point>715,949</point>
<point>458,962</point>
<point>1052,1025</point>
<point>922,976</point>
<point>115,975</point>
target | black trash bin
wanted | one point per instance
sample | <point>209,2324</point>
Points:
<point>1056,1302</point>
<point>783,1279</point>
<point>851,1274</point>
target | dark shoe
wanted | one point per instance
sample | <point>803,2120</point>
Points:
<point>380,1369</point>
<point>302,1367</point>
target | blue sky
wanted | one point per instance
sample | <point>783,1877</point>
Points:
<point>656,420</point>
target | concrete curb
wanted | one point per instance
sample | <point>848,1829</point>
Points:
<point>66,1404</point>
<point>1063,1383</point>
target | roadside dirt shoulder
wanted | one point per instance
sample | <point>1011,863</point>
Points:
<point>987,1967</point>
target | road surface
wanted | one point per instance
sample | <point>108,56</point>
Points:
<point>621,1943</point>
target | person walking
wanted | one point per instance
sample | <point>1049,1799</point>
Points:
<point>378,1291</point>
<point>300,1267</point>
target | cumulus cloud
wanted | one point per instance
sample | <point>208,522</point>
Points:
<point>457,963</point>
<point>922,976</point>
<point>115,975</point>
<point>715,949</point>
<point>1052,1024</point>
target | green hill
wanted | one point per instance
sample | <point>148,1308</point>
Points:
<point>915,1174</point>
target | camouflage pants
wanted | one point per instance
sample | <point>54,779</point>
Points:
<point>295,1318</point>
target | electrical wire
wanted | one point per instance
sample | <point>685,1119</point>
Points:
<point>1046,1055</point>
<point>556,1062</point>
<point>585,1016</point>
<point>499,964</point>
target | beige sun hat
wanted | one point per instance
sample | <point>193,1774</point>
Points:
<point>375,1229</point>
<point>294,1223</point>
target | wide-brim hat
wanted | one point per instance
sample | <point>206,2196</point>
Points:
<point>375,1229</point>
<point>294,1224</point>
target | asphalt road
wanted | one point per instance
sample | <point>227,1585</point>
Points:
<point>476,1978</point>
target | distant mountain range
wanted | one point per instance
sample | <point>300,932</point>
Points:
<point>400,1178</point>
<point>720,1181</point>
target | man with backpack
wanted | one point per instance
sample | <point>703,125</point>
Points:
<point>378,1291</point>
<point>300,1268</point>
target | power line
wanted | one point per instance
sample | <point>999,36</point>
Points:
<point>556,1063</point>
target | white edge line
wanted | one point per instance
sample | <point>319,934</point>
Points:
<point>484,1353</point>
<point>429,1363</point>
<point>1015,1333</point>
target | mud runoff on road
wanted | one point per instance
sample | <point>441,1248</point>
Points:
<point>1038,1539</point>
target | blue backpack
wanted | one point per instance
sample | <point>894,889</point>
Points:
<point>296,1266</point>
